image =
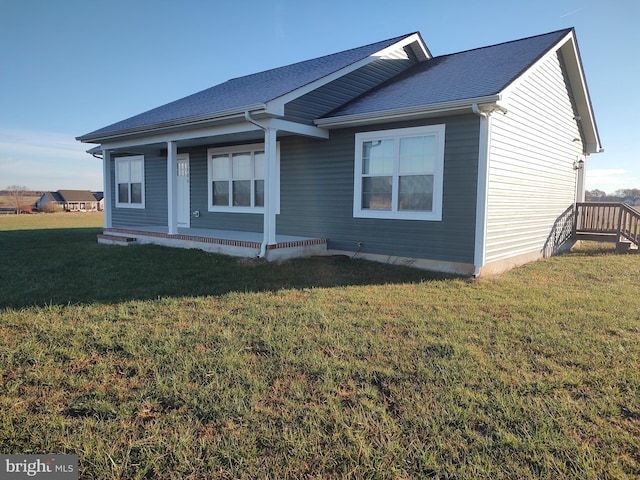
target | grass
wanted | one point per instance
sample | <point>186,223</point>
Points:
<point>150,362</point>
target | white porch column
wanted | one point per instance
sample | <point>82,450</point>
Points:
<point>107,186</point>
<point>172,181</point>
<point>270,187</point>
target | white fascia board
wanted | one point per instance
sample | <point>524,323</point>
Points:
<point>568,47</point>
<point>532,68</point>
<point>276,106</point>
<point>298,128</point>
<point>575,72</point>
<point>422,52</point>
<point>190,134</point>
<point>212,131</point>
<point>492,101</point>
<point>178,124</point>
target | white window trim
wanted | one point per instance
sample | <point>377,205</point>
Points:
<point>238,149</point>
<point>129,159</point>
<point>436,214</point>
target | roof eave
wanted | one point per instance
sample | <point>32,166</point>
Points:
<point>409,113</point>
<point>582,97</point>
<point>568,48</point>
<point>172,125</point>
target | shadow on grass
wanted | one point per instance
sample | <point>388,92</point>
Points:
<point>590,249</point>
<point>68,266</point>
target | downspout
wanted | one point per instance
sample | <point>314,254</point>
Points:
<point>481,192</point>
<point>263,245</point>
<point>248,118</point>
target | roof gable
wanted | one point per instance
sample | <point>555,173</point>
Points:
<point>52,197</point>
<point>470,74</point>
<point>249,92</point>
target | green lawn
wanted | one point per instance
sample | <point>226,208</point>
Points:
<point>150,362</point>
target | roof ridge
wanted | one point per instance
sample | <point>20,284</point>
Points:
<point>389,41</point>
<point>567,30</point>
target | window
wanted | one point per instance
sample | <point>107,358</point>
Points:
<point>130,182</point>
<point>399,173</point>
<point>236,178</point>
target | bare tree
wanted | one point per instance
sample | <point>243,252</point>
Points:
<point>595,194</point>
<point>17,192</point>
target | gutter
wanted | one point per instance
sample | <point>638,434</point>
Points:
<point>409,112</point>
<point>184,123</point>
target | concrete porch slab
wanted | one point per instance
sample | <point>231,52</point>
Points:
<point>226,242</point>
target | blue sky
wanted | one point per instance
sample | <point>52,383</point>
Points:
<point>68,67</point>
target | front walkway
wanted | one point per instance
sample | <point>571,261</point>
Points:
<point>236,243</point>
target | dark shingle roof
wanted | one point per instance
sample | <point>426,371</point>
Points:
<point>466,75</point>
<point>54,197</point>
<point>77,195</point>
<point>247,91</point>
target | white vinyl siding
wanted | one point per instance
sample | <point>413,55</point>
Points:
<point>532,181</point>
<point>130,189</point>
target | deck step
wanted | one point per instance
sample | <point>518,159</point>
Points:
<point>106,239</point>
<point>626,247</point>
<point>597,237</point>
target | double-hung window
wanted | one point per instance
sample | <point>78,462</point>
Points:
<point>236,178</point>
<point>130,181</point>
<point>399,173</point>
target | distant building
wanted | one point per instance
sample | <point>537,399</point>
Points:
<point>100,199</point>
<point>71,200</point>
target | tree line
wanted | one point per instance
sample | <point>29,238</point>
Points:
<point>620,195</point>
<point>17,194</point>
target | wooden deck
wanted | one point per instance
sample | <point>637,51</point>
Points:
<point>608,222</point>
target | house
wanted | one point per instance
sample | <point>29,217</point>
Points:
<point>468,163</point>
<point>69,200</point>
<point>99,196</point>
<point>49,198</point>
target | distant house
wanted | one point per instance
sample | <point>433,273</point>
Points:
<point>100,199</point>
<point>469,162</point>
<point>49,198</point>
<point>70,200</point>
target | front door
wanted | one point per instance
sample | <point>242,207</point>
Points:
<point>183,192</point>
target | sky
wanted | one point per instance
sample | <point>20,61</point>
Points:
<point>68,67</point>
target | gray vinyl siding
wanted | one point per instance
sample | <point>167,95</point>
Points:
<point>155,186</point>
<point>532,183</point>
<point>329,97</point>
<point>317,196</point>
<point>244,222</point>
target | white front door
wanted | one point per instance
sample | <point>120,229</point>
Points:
<point>183,191</point>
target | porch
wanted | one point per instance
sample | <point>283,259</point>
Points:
<point>235,243</point>
<point>608,222</point>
